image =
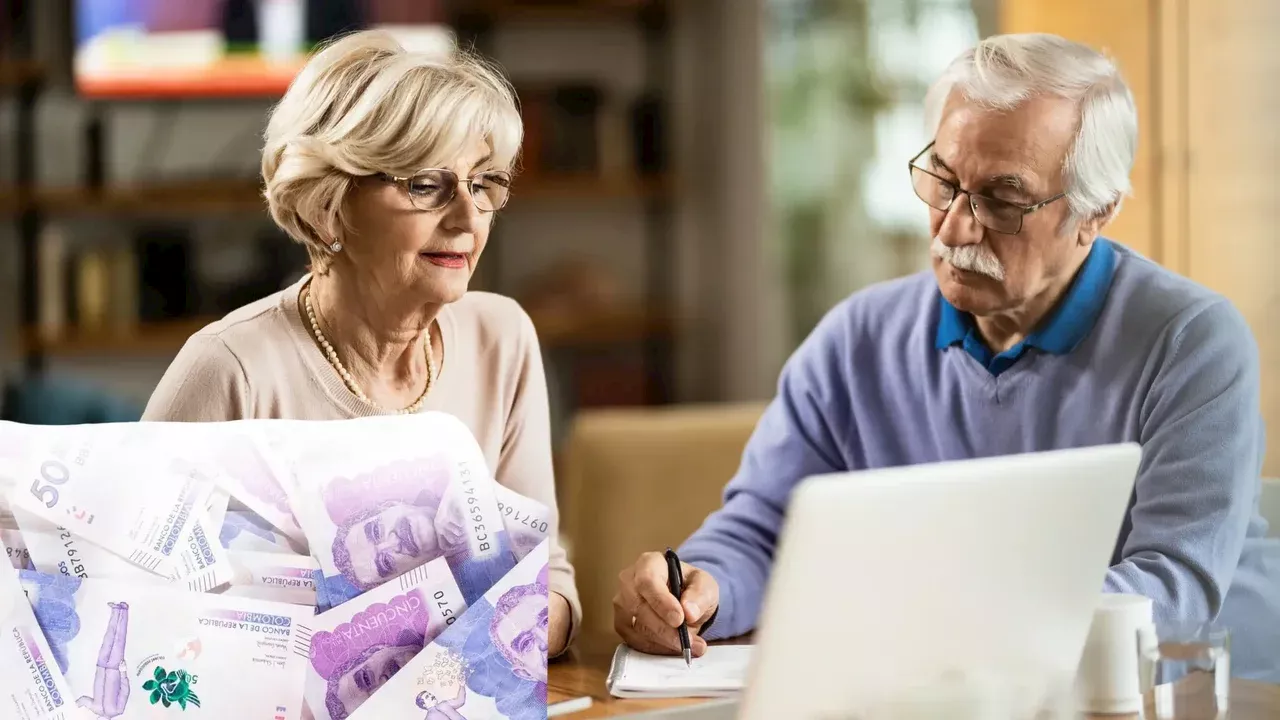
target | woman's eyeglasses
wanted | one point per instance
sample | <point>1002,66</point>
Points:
<point>434,188</point>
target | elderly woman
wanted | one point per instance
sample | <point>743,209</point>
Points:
<point>388,166</point>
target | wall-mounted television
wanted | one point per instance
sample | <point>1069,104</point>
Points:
<point>143,49</point>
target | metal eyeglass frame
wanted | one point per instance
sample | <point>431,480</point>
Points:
<point>403,182</point>
<point>957,190</point>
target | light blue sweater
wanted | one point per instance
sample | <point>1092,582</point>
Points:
<point>895,376</point>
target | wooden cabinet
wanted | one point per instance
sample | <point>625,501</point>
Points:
<point>1206,185</point>
<point>1127,36</point>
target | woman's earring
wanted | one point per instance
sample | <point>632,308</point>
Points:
<point>336,247</point>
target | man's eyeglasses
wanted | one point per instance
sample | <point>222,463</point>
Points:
<point>994,214</point>
<point>434,188</point>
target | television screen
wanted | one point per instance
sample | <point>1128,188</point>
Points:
<point>206,48</point>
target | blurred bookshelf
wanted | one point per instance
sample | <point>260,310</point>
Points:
<point>17,73</point>
<point>584,330</point>
<point>554,10</point>
<point>584,144</point>
<point>188,197</point>
<point>21,81</point>
<point>169,198</point>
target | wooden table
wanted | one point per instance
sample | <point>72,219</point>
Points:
<point>582,671</point>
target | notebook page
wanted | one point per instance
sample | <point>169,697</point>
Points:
<point>722,670</point>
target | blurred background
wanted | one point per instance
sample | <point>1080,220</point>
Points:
<point>702,179</point>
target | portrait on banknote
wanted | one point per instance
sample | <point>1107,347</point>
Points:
<point>358,657</point>
<point>402,514</point>
<point>490,663</point>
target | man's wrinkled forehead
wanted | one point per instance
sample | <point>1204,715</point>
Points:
<point>1028,143</point>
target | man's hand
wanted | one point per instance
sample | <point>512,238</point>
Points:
<point>646,614</point>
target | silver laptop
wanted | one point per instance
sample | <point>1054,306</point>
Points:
<point>902,582</point>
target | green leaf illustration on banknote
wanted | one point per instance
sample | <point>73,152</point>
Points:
<point>172,687</point>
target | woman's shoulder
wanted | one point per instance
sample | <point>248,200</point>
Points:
<point>250,325</point>
<point>252,336</point>
<point>212,375</point>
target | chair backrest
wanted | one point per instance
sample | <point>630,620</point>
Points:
<point>1271,504</point>
<point>641,479</point>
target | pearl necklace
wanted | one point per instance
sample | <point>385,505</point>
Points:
<point>346,376</point>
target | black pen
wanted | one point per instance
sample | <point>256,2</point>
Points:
<point>675,582</point>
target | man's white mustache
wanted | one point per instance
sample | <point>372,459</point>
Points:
<point>974,258</point>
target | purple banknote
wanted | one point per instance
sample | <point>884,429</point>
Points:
<point>489,665</point>
<point>377,497</point>
<point>359,646</point>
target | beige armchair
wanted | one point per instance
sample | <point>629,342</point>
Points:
<point>640,479</point>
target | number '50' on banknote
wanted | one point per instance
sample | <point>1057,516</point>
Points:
<point>116,485</point>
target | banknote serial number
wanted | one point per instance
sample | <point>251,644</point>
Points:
<point>72,569</point>
<point>525,519</point>
<point>45,488</point>
<point>475,514</point>
<point>443,605</point>
<point>477,517</point>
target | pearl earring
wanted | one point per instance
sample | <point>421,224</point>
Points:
<point>336,246</point>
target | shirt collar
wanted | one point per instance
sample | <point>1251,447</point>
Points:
<point>1066,325</point>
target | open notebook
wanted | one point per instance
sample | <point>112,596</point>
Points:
<point>721,672</point>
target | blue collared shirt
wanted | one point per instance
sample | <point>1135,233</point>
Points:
<point>1060,332</point>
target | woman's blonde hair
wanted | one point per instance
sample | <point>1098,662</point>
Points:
<point>365,105</point>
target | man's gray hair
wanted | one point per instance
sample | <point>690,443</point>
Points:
<point>1003,71</point>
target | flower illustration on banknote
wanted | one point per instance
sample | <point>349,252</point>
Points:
<point>172,688</point>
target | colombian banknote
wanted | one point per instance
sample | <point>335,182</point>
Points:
<point>416,490</point>
<point>491,664</point>
<point>115,486</point>
<point>31,684</point>
<point>246,530</point>
<point>15,547</point>
<point>130,650</point>
<point>216,509</point>
<point>526,520</point>
<point>357,647</point>
<point>58,551</point>
<point>282,577</point>
<point>248,467</point>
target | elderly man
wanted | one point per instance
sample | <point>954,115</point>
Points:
<point>1031,333</point>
